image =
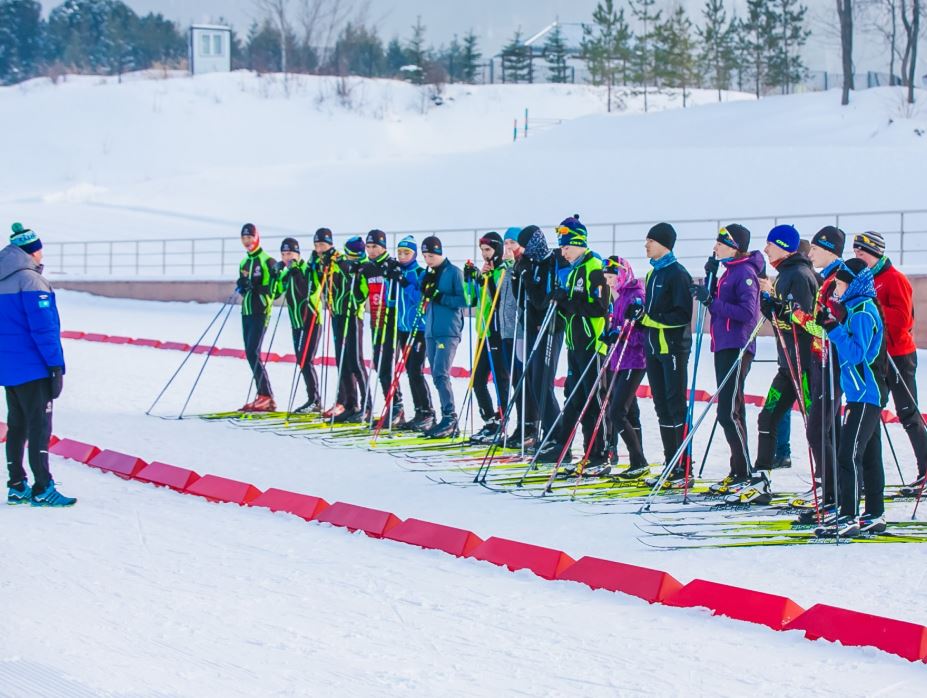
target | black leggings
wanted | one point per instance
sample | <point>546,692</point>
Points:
<point>414,370</point>
<point>384,352</point>
<point>491,360</point>
<point>824,424</point>
<point>860,455</point>
<point>906,408</point>
<point>667,374</point>
<point>731,408</point>
<point>349,354</point>
<point>577,361</point>
<point>253,327</point>
<point>300,337</point>
<point>624,416</point>
<point>30,419</point>
<point>542,370</point>
<point>779,401</point>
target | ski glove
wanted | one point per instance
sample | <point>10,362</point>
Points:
<point>56,381</point>
<point>611,336</point>
<point>279,267</point>
<point>243,285</point>
<point>701,294</point>
<point>470,271</point>
<point>712,266</point>
<point>634,312</point>
<point>826,320</point>
<point>430,290</point>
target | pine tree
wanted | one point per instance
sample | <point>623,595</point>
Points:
<point>453,60</point>
<point>555,53</point>
<point>416,53</point>
<point>516,60</point>
<point>395,57</point>
<point>674,48</point>
<point>758,40</point>
<point>21,29</point>
<point>789,35</point>
<point>358,51</point>
<point>606,46</point>
<point>644,12</point>
<point>471,58</point>
<point>717,54</point>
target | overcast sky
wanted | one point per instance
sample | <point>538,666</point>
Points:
<point>494,21</point>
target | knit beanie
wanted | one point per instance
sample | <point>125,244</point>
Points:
<point>323,235</point>
<point>831,239</point>
<point>432,245</point>
<point>870,242</point>
<point>289,245</point>
<point>376,237</point>
<point>408,243</point>
<point>572,232</point>
<point>250,229</point>
<point>25,239</point>
<point>785,237</point>
<point>850,269</point>
<point>736,236</point>
<point>512,234</point>
<point>534,242</point>
<point>354,247</point>
<point>663,233</point>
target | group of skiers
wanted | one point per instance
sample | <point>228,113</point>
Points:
<point>843,331</point>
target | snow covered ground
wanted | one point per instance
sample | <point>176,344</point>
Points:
<point>146,592</point>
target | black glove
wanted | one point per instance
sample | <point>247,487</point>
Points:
<point>394,273</point>
<point>243,285</point>
<point>279,267</point>
<point>701,294</point>
<point>826,320</point>
<point>56,380</point>
<point>470,272</point>
<point>711,267</point>
<point>634,312</point>
<point>611,336</point>
<point>430,286</point>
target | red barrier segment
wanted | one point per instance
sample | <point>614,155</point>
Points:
<point>232,353</point>
<point>221,489</point>
<point>3,430</point>
<point>424,534</point>
<point>288,358</point>
<point>373,522</point>
<point>71,334</point>
<point>653,586</point>
<point>175,346</point>
<point>165,475</point>
<point>741,604</point>
<point>908,640</point>
<point>121,464</point>
<point>302,505</point>
<point>75,450</point>
<point>544,562</point>
<point>95,337</point>
<point>154,343</point>
<point>116,339</point>
<point>204,349</point>
<point>52,440</point>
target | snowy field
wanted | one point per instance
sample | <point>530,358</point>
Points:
<point>146,592</point>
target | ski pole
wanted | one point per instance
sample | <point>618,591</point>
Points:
<point>901,380</point>
<point>263,361</point>
<point>344,340</point>
<point>711,438</point>
<point>190,353</point>
<point>891,447</point>
<point>370,395</point>
<point>668,468</point>
<point>205,361</point>
<point>306,342</point>
<point>690,409</point>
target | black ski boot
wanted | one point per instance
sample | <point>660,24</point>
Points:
<point>309,407</point>
<point>444,429</point>
<point>487,434</point>
<point>423,421</point>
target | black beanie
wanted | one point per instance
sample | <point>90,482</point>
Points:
<point>831,239</point>
<point>323,235</point>
<point>663,233</point>
<point>432,245</point>
<point>850,269</point>
<point>493,240</point>
<point>289,245</point>
<point>248,229</point>
<point>524,237</point>
<point>736,236</point>
<point>376,237</point>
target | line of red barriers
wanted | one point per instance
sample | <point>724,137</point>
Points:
<point>908,640</point>
<point>271,357</point>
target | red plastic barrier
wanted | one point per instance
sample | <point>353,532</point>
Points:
<point>757,400</point>
<point>157,344</point>
<point>288,358</point>
<point>95,337</point>
<point>116,339</point>
<point>221,489</point>
<point>3,430</point>
<point>271,357</point>
<point>544,562</point>
<point>71,334</point>
<point>373,522</point>
<point>233,353</point>
<point>205,349</point>
<point>158,473</point>
<point>459,372</point>
<point>52,440</point>
<point>177,346</point>
<point>121,464</point>
<point>560,382</point>
<point>908,640</point>
<point>301,505</point>
<point>650,585</point>
<point>75,450</point>
<point>454,541</point>
<point>741,604</point>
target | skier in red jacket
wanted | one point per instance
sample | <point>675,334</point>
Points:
<point>896,297</point>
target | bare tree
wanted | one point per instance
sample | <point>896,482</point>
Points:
<point>910,11</point>
<point>845,14</point>
<point>321,21</point>
<point>881,17</point>
<point>278,13</point>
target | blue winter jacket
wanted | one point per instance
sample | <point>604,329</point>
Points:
<point>30,331</point>
<point>860,344</point>
<point>410,297</point>
<point>444,316</point>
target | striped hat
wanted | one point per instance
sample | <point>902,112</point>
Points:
<point>25,239</point>
<point>870,242</point>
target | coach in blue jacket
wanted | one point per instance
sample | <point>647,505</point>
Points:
<point>31,367</point>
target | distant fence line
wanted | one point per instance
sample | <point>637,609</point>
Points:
<point>905,234</point>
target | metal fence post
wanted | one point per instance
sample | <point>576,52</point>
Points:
<point>85,257</point>
<point>136,257</point>
<point>614,238</point>
<point>164,257</point>
<point>193,256</point>
<point>901,240</point>
<point>110,257</point>
<point>222,256</point>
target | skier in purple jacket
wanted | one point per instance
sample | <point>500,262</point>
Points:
<point>734,301</point>
<point>624,417</point>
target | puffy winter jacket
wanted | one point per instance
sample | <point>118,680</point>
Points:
<point>797,281</point>
<point>896,297</point>
<point>735,309</point>
<point>444,316</point>
<point>634,356</point>
<point>586,307</point>
<point>410,298</point>
<point>30,330</point>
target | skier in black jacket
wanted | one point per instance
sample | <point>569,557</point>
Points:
<point>535,275</point>
<point>667,315</point>
<point>795,287</point>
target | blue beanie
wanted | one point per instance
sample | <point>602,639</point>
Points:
<point>355,246</point>
<point>408,243</point>
<point>572,232</point>
<point>512,234</point>
<point>784,237</point>
<point>25,239</point>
